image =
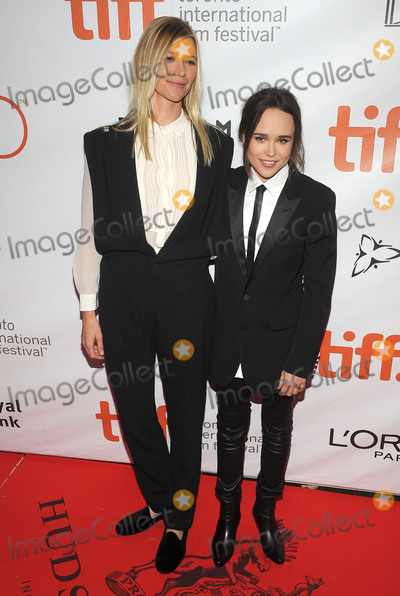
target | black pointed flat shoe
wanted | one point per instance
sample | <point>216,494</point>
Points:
<point>171,551</point>
<point>136,522</point>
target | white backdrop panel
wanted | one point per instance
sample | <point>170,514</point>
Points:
<point>346,430</point>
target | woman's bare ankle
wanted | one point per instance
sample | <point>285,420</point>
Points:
<point>179,533</point>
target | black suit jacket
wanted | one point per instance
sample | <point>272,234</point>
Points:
<point>271,320</point>
<point>119,230</point>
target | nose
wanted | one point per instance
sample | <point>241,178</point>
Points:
<point>269,148</point>
<point>180,68</point>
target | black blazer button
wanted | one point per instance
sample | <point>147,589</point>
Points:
<point>246,297</point>
<point>245,326</point>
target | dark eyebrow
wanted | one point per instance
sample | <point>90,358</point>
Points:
<point>261,134</point>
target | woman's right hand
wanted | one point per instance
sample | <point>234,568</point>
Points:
<point>92,338</point>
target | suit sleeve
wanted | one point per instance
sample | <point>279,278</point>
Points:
<point>319,275</point>
<point>217,228</point>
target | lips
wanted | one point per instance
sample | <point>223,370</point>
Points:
<point>177,85</point>
<point>268,164</point>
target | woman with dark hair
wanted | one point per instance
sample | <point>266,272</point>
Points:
<point>152,188</point>
<point>274,276</point>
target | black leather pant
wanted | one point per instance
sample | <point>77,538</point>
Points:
<point>234,409</point>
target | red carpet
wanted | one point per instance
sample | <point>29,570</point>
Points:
<point>340,545</point>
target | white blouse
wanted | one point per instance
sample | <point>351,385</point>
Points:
<point>166,188</point>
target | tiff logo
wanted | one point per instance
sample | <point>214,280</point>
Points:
<point>103,19</point>
<point>390,14</point>
<point>343,131</point>
<point>106,420</point>
<point>365,351</point>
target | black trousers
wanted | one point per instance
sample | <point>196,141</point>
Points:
<point>234,408</point>
<point>135,330</point>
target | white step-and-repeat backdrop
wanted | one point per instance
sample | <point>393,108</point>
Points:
<point>65,70</point>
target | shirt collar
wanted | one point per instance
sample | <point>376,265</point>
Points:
<point>178,126</point>
<point>274,185</point>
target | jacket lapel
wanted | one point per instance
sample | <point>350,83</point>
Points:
<point>127,168</point>
<point>203,173</point>
<point>127,187</point>
<point>236,191</point>
<point>286,205</point>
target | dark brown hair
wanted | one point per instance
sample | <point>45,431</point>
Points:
<point>254,108</point>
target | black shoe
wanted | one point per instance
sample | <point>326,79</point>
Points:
<point>136,522</point>
<point>223,544</point>
<point>270,537</point>
<point>171,551</point>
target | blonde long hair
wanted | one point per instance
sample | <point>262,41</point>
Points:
<point>149,57</point>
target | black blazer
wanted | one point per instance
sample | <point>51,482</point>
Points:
<point>270,320</point>
<point>119,231</point>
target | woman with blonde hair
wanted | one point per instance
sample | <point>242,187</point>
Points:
<point>153,190</point>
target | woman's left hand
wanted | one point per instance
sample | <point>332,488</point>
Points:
<point>290,385</point>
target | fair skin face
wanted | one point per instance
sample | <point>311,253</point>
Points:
<point>271,144</point>
<point>176,80</point>
<point>177,77</point>
<point>268,152</point>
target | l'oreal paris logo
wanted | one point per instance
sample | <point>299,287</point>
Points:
<point>392,14</point>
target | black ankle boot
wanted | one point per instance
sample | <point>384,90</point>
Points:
<point>270,537</point>
<point>223,544</point>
